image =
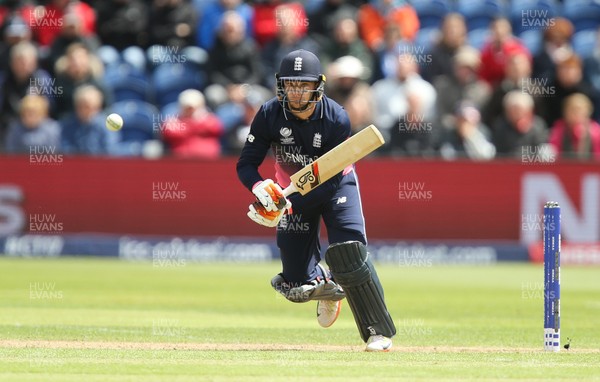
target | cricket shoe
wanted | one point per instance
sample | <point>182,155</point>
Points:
<point>328,312</point>
<point>379,343</point>
<point>319,289</point>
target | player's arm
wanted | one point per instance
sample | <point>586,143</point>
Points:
<point>254,152</point>
<point>271,203</point>
<point>342,130</point>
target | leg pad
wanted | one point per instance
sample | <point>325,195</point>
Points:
<point>352,269</point>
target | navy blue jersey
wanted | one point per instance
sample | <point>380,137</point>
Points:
<point>293,142</point>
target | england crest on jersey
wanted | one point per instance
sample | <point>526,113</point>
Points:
<point>317,140</point>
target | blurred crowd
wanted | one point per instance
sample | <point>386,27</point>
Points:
<point>440,78</point>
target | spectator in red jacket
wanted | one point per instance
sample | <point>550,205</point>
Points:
<point>269,15</point>
<point>497,50</point>
<point>195,132</point>
<point>576,135</point>
<point>291,35</point>
<point>48,20</point>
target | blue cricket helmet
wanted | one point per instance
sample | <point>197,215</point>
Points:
<point>300,65</point>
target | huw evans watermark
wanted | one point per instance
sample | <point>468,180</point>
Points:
<point>160,54</point>
<point>543,154</point>
<point>42,18</point>
<point>45,155</point>
<point>535,291</point>
<point>165,327</point>
<point>45,87</point>
<point>536,19</point>
<point>287,17</point>
<point>292,154</point>
<point>45,224</point>
<point>43,290</point>
<point>535,223</point>
<point>537,87</point>
<point>293,223</point>
<point>168,191</point>
<point>167,122</point>
<point>166,256</point>
<point>413,328</point>
<point>414,191</point>
<point>414,123</point>
<point>414,257</point>
<point>416,54</point>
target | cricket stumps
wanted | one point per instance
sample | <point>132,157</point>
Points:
<point>551,240</point>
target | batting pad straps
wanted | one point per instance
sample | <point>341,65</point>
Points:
<point>355,274</point>
<point>351,268</point>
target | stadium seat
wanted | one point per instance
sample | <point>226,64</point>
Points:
<point>312,6</point>
<point>477,38</point>
<point>157,55</point>
<point>431,12</point>
<point>195,55</point>
<point>171,79</point>
<point>533,14</point>
<point>532,39</point>
<point>127,83</point>
<point>135,56</point>
<point>591,69</point>
<point>479,13</point>
<point>584,14</point>
<point>584,42</point>
<point>142,122</point>
<point>108,55</point>
<point>426,38</point>
<point>170,109</point>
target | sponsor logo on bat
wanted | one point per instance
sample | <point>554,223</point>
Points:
<point>310,176</point>
<point>305,178</point>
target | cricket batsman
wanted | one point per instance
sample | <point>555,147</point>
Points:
<point>299,125</point>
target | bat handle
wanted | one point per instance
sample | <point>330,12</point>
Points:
<point>289,190</point>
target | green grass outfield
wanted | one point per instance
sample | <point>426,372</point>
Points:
<point>108,320</point>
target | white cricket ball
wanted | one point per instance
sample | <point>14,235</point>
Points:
<point>114,122</point>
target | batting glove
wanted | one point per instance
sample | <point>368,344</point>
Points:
<point>270,195</point>
<point>259,214</point>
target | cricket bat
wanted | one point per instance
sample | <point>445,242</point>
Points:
<point>335,160</point>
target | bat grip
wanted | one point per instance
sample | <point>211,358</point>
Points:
<point>281,202</point>
<point>289,190</point>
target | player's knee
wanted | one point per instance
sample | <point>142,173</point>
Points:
<point>349,263</point>
<point>347,232</point>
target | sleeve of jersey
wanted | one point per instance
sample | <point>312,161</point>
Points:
<point>341,132</point>
<point>255,149</point>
